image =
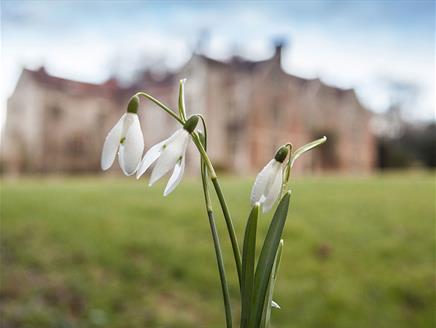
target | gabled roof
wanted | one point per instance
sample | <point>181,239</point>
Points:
<point>234,63</point>
<point>70,86</point>
<point>237,63</point>
<point>148,78</point>
<point>112,89</point>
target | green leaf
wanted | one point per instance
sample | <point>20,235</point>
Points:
<point>266,260</point>
<point>182,110</point>
<point>269,301</point>
<point>305,148</point>
<point>248,260</point>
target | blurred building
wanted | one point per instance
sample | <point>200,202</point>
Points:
<point>252,107</point>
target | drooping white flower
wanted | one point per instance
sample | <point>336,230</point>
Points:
<point>268,184</point>
<point>125,138</point>
<point>168,154</point>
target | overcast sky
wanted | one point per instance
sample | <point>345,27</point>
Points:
<point>361,44</point>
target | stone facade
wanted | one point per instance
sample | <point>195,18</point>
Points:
<point>58,126</point>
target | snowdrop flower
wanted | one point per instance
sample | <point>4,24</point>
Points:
<point>168,154</point>
<point>126,139</point>
<point>268,184</point>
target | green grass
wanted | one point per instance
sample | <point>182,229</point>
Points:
<point>95,252</point>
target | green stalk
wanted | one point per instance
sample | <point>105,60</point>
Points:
<point>182,110</point>
<point>161,105</point>
<point>223,204</point>
<point>216,242</point>
<point>230,228</point>
<point>222,273</point>
<point>218,254</point>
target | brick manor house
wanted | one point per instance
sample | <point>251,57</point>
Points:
<point>56,125</point>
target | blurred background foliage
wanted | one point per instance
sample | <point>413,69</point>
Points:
<point>414,147</point>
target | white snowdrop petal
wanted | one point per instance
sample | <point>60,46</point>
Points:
<point>275,305</point>
<point>170,155</point>
<point>164,164</point>
<point>133,146</point>
<point>176,177</point>
<point>153,154</point>
<point>121,160</point>
<point>149,158</point>
<point>111,143</point>
<point>274,190</point>
<point>175,136</point>
<point>261,183</point>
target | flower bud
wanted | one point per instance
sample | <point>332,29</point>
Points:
<point>191,124</point>
<point>133,105</point>
<point>281,154</point>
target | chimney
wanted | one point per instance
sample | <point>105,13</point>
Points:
<point>41,70</point>
<point>279,45</point>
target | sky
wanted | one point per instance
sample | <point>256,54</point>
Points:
<point>366,45</point>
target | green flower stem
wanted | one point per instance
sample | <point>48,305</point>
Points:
<point>219,256</point>
<point>230,228</point>
<point>161,105</point>
<point>222,273</point>
<point>204,156</point>
<point>287,171</point>
<point>223,203</point>
<point>216,241</point>
<point>219,260</point>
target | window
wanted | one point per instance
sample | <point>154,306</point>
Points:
<point>276,113</point>
<point>55,112</point>
<point>326,156</point>
<point>76,145</point>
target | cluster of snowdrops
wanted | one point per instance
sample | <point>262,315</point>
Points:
<point>256,278</point>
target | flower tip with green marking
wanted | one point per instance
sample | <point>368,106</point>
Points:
<point>126,139</point>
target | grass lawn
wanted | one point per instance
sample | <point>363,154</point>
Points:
<point>111,252</point>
